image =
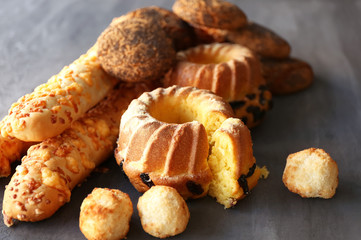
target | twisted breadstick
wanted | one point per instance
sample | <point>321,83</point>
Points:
<point>11,149</point>
<point>44,180</point>
<point>53,106</point>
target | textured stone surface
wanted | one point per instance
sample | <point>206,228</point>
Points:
<point>39,37</point>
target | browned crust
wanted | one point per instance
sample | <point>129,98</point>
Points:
<point>178,30</point>
<point>135,50</point>
<point>287,76</point>
<point>261,40</point>
<point>210,13</point>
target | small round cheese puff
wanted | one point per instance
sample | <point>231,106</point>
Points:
<point>105,214</point>
<point>163,212</point>
<point>311,173</point>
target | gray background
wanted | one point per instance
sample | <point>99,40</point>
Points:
<point>39,37</point>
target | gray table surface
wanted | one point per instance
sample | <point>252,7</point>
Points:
<point>39,37</point>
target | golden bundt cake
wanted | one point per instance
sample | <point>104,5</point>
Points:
<point>163,139</point>
<point>230,71</point>
<point>232,163</point>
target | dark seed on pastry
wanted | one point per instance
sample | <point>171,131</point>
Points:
<point>194,188</point>
<point>237,104</point>
<point>244,120</point>
<point>263,88</point>
<point>121,167</point>
<point>257,113</point>
<point>244,184</point>
<point>251,171</point>
<point>146,180</point>
<point>251,96</point>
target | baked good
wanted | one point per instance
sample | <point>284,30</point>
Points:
<point>176,29</point>
<point>163,212</point>
<point>105,214</point>
<point>311,173</point>
<point>210,13</point>
<point>261,40</point>
<point>51,169</point>
<point>59,102</point>
<point>232,163</point>
<point>135,50</point>
<point>230,71</point>
<point>286,76</point>
<point>163,139</point>
<point>11,149</point>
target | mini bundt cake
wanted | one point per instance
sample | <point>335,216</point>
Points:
<point>163,138</point>
<point>230,71</point>
<point>232,163</point>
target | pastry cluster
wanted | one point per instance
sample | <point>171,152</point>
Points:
<point>174,93</point>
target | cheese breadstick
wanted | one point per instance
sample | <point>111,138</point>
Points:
<point>11,149</point>
<point>51,169</point>
<point>53,106</point>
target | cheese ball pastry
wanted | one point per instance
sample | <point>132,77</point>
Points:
<point>311,173</point>
<point>59,102</point>
<point>163,212</point>
<point>135,50</point>
<point>105,214</point>
<point>51,169</point>
<point>11,149</point>
<point>286,76</point>
<point>179,31</point>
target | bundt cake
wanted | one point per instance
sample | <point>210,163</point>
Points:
<point>232,163</point>
<point>163,138</point>
<point>163,141</point>
<point>230,71</point>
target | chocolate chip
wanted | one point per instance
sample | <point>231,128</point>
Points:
<point>146,180</point>
<point>251,96</point>
<point>251,170</point>
<point>194,188</point>
<point>237,104</point>
<point>242,181</point>
<point>244,120</point>
<point>263,88</point>
<point>121,167</point>
<point>257,113</point>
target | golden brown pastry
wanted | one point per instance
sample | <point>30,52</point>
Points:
<point>105,214</point>
<point>163,212</point>
<point>232,163</point>
<point>163,139</point>
<point>230,71</point>
<point>51,169</point>
<point>55,105</point>
<point>286,76</point>
<point>311,173</point>
<point>11,149</point>
<point>135,50</point>
<point>210,13</point>
<point>261,40</point>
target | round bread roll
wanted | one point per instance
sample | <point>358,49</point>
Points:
<point>105,214</point>
<point>135,50</point>
<point>163,212</point>
<point>210,13</point>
